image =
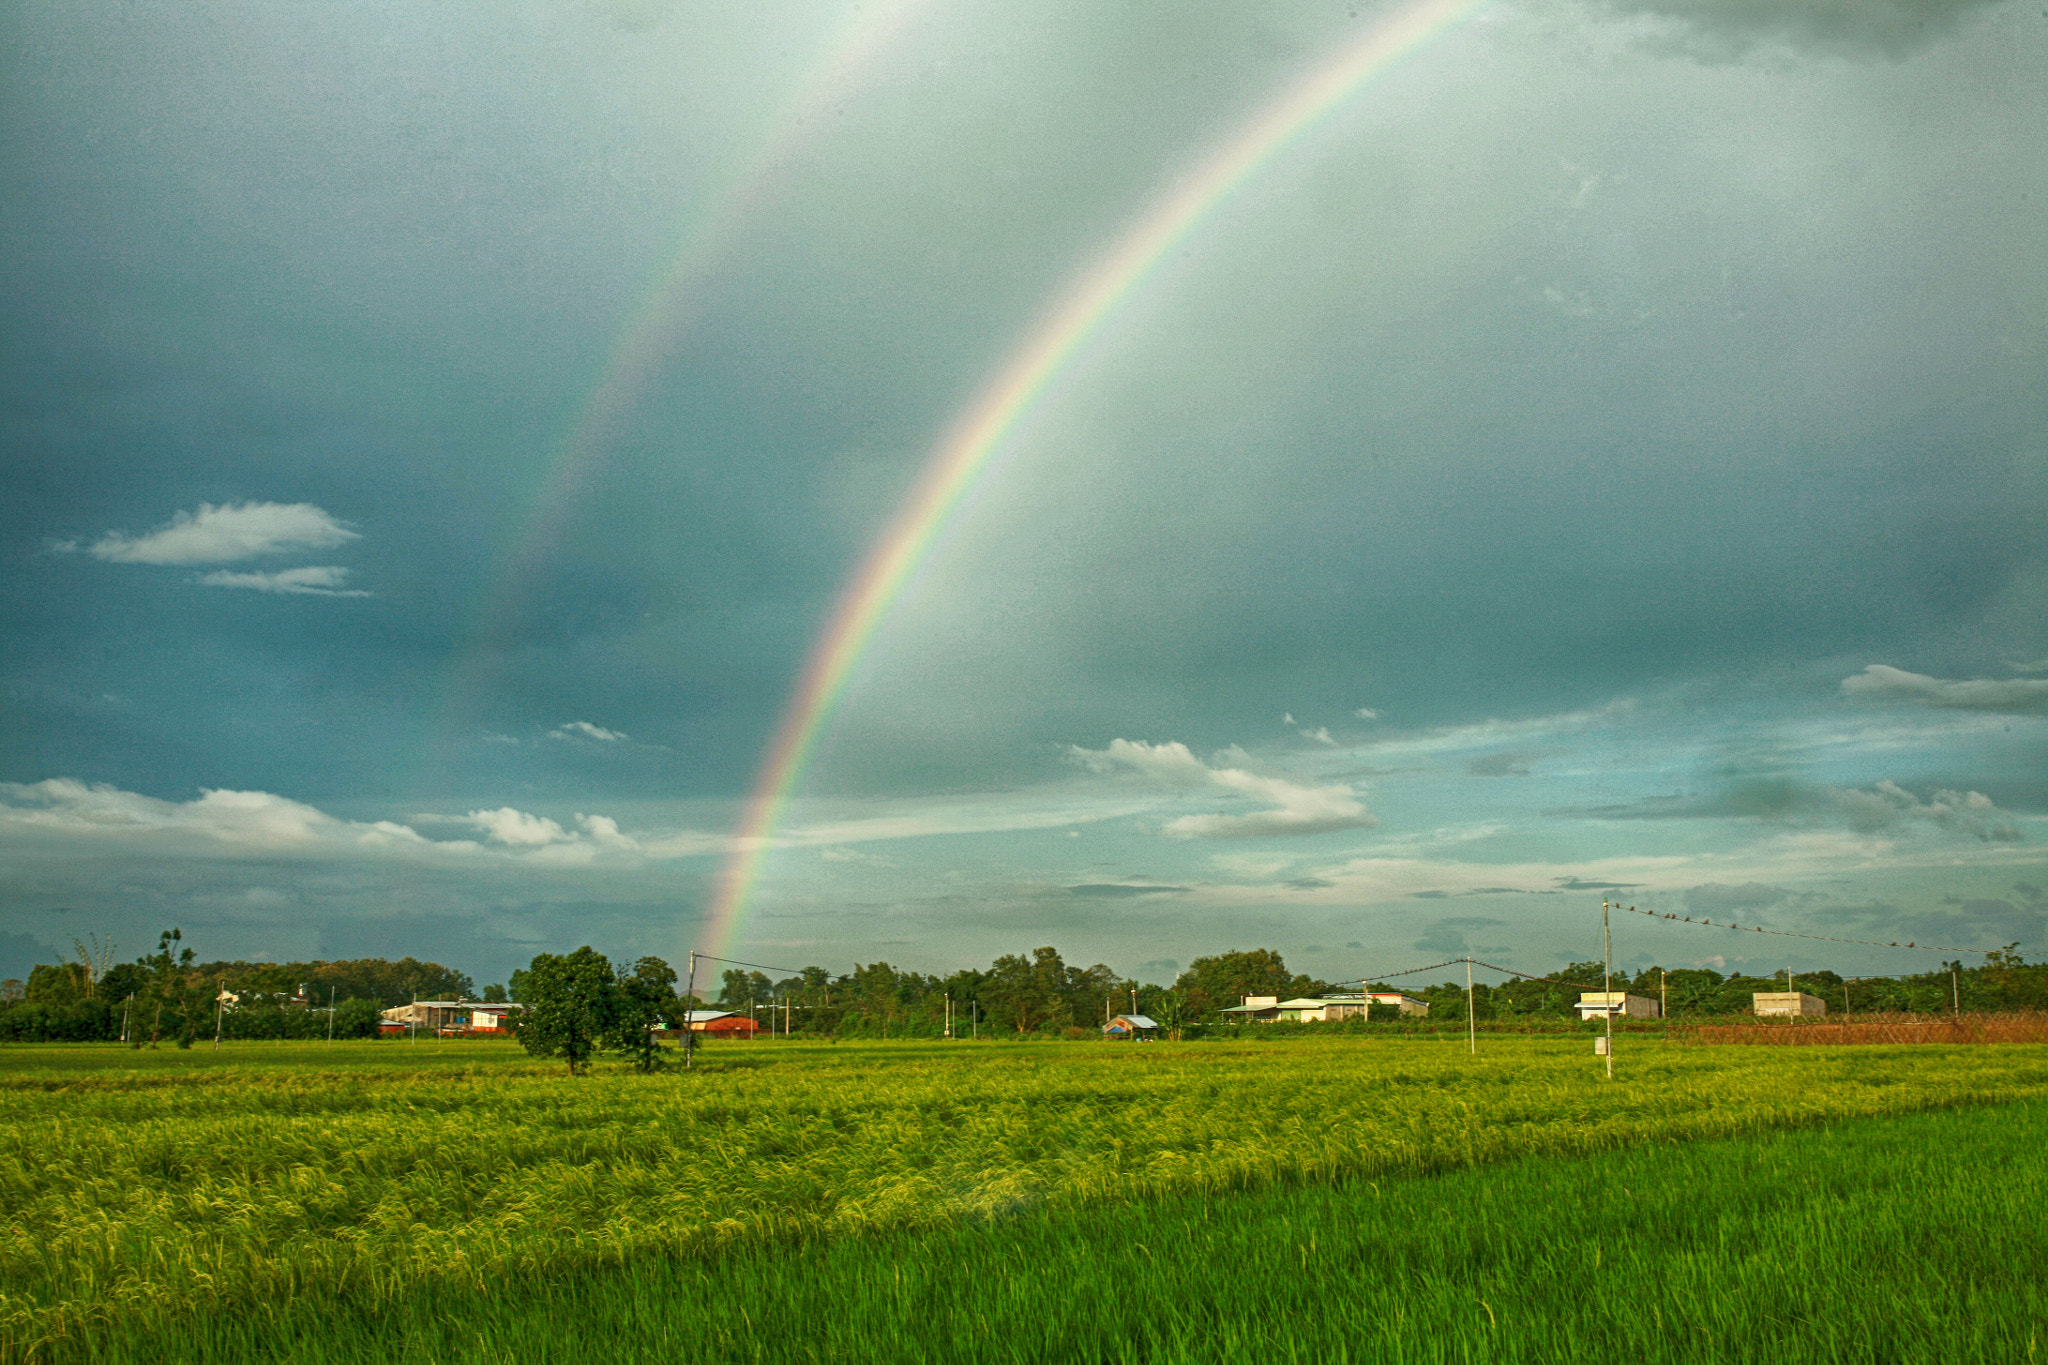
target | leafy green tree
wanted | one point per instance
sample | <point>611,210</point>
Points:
<point>645,999</point>
<point>495,995</point>
<point>176,998</point>
<point>1025,994</point>
<point>742,989</point>
<point>1219,982</point>
<point>356,1018</point>
<point>572,1004</point>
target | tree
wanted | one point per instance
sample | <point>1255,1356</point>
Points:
<point>645,999</point>
<point>175,997</point>
<point>1219,982</point>
<point>356,1018</point>
<point>572,1003</point>
<point>1026,995</point>
<point>742,989</point>
<point>494,994</point>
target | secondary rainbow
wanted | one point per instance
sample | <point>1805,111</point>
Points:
<point>847,58</point>
<point>968,445</point>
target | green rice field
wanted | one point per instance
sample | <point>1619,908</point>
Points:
<point>1334,1200</point>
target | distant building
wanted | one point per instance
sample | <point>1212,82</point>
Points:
<point>490,1018</point>
<point>1271,1009</point>
<point>1620,1004</point>
<point>719,1023</point>
<point>1127,1026</point>
<point>440,1016</point>
<point>1786,1004</point>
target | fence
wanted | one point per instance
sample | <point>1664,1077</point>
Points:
<point>2019,1026</point>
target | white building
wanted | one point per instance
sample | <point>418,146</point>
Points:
<point>1786,1004</point>
<point>1619,1004</point>
<point>1318,1009</point>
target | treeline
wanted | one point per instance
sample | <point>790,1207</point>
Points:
<point>1041,994</point>
<point>170,997</point>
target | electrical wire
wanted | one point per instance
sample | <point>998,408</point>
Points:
<point>733,961</point>
<point>1787,933</point>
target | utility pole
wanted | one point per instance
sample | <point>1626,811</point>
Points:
<point>220,1006</point>
<point>1955,993</point>
<point>1607,981</point>
<point>689,1009</point>
<point>330,1014</point>
<point>949,1014</point>
<point>1471,1018</point>
<point>125,1004</point>
<point>1664,997</point>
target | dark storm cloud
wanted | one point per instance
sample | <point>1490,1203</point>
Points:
<point>20,952</point>
<point>1884,806</point>
<point>1726,29</point>
<point>1577,884</point>
<point>1449,935</point>
<point>1603,410</point>
<point>1714,898</point>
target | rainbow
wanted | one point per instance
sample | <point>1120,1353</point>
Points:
<point>1008,396</point>
<point>846,58</point>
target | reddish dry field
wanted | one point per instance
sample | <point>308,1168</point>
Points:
<point>2023,1026</point>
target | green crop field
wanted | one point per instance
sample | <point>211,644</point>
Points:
<point>212,1206</point>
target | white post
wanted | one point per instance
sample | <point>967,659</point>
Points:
<point>1471,1018</point>
<point>1607,982</point>
<point>689,1008</point>
<point>330,1014</point>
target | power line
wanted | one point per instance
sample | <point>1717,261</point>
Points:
<point>1787,933</point>
<point>710,957</point>
<point>1455,961</point>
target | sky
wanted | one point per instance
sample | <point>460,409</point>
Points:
<point>1600,455</point>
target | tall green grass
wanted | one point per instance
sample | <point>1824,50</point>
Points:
<point>1913,1239</point>
<point>161,1192</point>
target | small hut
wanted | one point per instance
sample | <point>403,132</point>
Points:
<point>1131,1026</point>
<point>1786,1004</point>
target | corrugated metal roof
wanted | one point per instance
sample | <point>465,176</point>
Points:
<point>704,1016</point>
<point>1134,1020</point>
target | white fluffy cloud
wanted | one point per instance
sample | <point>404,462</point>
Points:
<point>224,534</point>
<point>515,827</point>
<point>325,580</point>
<point>584,729</point>
<point>1291,807</point>
<point>2022,695</point>
<point>1888,806</point>
<point>267,824</point>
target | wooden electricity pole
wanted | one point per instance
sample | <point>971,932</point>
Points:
<point>689,1009</point>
